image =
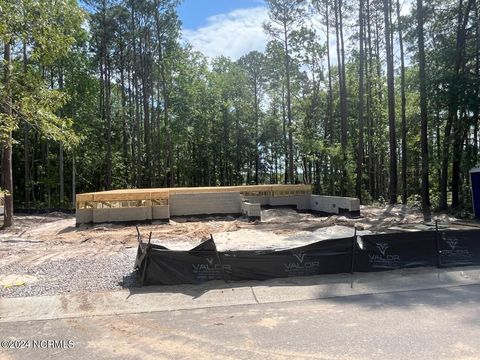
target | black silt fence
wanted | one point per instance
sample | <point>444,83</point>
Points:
<point>395,251</point>
<point>459,248</point>
<point>368,253</point>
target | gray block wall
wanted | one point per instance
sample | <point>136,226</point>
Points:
<point>262,200</point>
<point>205,203</point>
<point>161,212</point>
<point>251,210</point>
<point>122,214</point>
<point>333,204</point>
<point>302,202</point>
<point>218,203</point>
<point>84,216</point>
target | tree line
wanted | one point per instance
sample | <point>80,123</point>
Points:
<point>377,99</point>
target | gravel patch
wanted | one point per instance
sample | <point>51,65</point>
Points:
<point>89,274</point>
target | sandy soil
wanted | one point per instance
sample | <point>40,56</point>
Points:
<point>56,229</point>
<point>49,254</point>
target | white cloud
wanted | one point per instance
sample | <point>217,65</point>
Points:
<point>232,35</point>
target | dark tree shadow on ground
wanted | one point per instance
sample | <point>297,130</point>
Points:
<point>443,298</point>
<point>446,299</point>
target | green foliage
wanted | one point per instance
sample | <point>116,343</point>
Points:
<point>46,29</point>
<point>8,124</point>
<point>125,82</point>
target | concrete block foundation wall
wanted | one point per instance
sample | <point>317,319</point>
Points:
<point>161,204</point>
<point>253,211</point>
<point>205,204</point>
<point>109,215</point>
<point>84,216</point>
<point>161,212</point>
<point>122,214</point>
<point>334,204</point>
<point>262,200</point>
<point>302,202</point>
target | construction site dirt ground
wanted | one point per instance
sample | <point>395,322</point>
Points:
<point>47,254</point>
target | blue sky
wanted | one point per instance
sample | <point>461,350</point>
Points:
<point>224,27</point>
<point>194,13</point>
<point>234,27</point>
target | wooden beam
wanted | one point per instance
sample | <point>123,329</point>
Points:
<point>164,193</point>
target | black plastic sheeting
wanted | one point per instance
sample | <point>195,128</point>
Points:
<point>158,265</point>
<point>459,248</point>
<point>395,251</point>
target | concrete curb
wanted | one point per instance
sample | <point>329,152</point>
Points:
<point>218,294</point>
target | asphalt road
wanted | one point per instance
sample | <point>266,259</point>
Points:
<point>423,324</point>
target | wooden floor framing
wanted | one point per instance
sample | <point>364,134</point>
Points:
<point>160,196</point>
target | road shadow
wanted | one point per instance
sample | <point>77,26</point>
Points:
<point>332,289</point>
<point>445,298</point>
<point>132,283</point>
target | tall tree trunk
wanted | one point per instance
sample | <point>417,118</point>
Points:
<point>360,105</point>
<point>170,176</point>
<point>108,182</point>
<point>7,179</point>
<point>105,99</point>
<point>438,143</point>
<point>237,148</point>
<point>60,152</point>
<point>291,179</point>
<point>123,112</point>
<point>391,105</point>
<point>403,109</point>
<point>131,175</point>
<point>74,181</point>
<point>377,93</point>
<point>460,127</point>
<point>476,110</point>
<point>138,141</point>
<point>26,142</point>
<point>257,152</point>
<point>343,94</point>
<point>284,128</point>
<point>47,174</point>
<point>330,126</point>
<point>445,161</point>
<point>458,140</point>
<point>370,72</point>
<point>423,108</point>
<point>452,117</point>
<point>26,156</point>
<point>61,178</point>
<point>146,108</point>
